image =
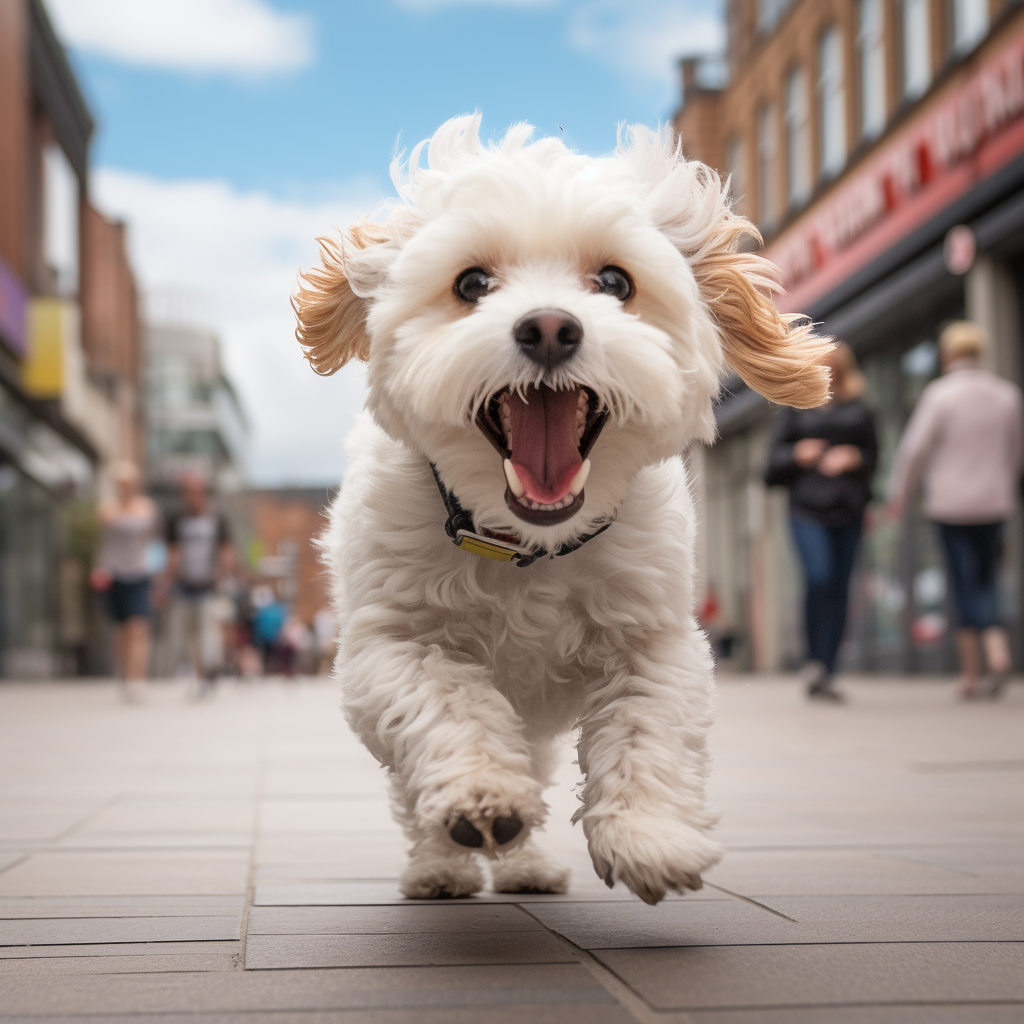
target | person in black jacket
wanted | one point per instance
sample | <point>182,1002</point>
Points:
<point>826,457</point>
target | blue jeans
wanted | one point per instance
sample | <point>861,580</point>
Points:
<point>828,554</point>
<point>972,555</point>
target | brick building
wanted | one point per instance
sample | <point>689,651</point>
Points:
<point>69,349</point>
<point>879,146</point>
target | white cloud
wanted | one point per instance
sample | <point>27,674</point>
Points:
<point>237,36</point>
<point>643,39</point>
<point>244,250</point>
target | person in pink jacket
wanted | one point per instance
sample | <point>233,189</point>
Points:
<point>965,440</point>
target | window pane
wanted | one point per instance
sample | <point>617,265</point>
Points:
<point>734,167</point>
<point>767,188</point>
<point>797,137</point>
<point>917,65</point>
<point>970,23</point>
<point>60,217</point>
<point>871,45</point>
<point>832,102</point>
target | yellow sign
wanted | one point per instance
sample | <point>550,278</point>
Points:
<point>43,368</point>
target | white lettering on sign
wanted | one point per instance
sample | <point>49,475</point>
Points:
<point>937,141</point>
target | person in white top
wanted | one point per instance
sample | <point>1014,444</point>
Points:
<point>129,523</point>
<point>965,440</point>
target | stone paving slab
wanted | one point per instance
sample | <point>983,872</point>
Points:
<point>144,963</point>
<point>65,931</point>
<point>134,873</point>
<point>520,985</point>
<point>409,919</point>
<point>706,977</point>
<point>559,1013</point>
<point>798,920</point>
<point>14,908</point>
<point>874,872</point>
<point>206,947</point>
<point>396,949</point>
<point>951,1013</point>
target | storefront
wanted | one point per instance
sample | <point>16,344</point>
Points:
<point>927,229</point>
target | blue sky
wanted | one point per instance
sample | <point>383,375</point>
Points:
<point>233,131</point>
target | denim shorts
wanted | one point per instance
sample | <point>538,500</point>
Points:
<point>128,600</point>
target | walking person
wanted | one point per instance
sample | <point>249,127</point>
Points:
<point>965,439</point>
<point>826,457</point>
<point>129,523</point>
<point>199,556</point>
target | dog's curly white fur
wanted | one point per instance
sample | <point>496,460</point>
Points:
<point>458,672</point>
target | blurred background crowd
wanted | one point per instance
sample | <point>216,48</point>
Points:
<point>877,144</point>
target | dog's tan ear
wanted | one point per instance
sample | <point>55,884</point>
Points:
<point>690,204</point>
<point>330,316</point>
<point>773,353</point>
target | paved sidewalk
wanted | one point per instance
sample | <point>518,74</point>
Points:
<point>234,860</point>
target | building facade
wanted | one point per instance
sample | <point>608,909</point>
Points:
<point>69,395</point>
<point>194,419</point>
<point>879,147</point>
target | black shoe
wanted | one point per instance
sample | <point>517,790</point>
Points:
<point>825,690</point>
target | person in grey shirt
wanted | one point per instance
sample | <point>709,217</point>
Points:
<point>965,440</point>
<point>199,556</point>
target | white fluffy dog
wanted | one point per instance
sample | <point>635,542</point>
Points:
<point>535,320</point>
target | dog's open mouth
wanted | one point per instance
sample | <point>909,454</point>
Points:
<point>544,437</point>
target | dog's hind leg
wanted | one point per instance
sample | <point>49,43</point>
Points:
<point>434,872</point>
<point>528,869</point>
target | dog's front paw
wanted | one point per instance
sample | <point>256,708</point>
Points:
<point>487,811</point>
<point>649,854</point>
<point>437,878</point>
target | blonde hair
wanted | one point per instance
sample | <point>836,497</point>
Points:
<point>962,339</point>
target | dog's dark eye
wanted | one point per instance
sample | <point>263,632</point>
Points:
<point>614,281</point>
<point>472,285</point>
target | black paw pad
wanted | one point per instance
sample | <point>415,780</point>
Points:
<point>465,833</point>
<point>506,829</point>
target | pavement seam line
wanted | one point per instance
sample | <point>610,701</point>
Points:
<point>629,999</point>
<point>747,899</point>
<point>250,886</point>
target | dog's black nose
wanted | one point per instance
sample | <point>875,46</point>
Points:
<point>548,336</point>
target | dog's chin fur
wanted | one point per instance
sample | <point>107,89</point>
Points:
<point>458,672</point>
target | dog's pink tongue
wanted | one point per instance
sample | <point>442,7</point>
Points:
<point>545,453</point>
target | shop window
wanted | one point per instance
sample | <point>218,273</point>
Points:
<point>915,29</point>
<point>767,160</point>
<point>60,220</point>
<point>798,150</point>
<point>871,56</point>
<point>968,23</point>
<point>831,101</point>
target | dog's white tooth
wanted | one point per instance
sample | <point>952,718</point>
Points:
<point>580,478</point>
<point>514,483</point>
<point>535,506</point>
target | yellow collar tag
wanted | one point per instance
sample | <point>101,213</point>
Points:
<point>485,547</point>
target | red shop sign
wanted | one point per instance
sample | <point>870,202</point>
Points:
<point>935,159</point>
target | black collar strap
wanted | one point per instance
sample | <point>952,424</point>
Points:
<point>501,547</point>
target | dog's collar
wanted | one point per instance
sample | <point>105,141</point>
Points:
<point>501,547</point>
